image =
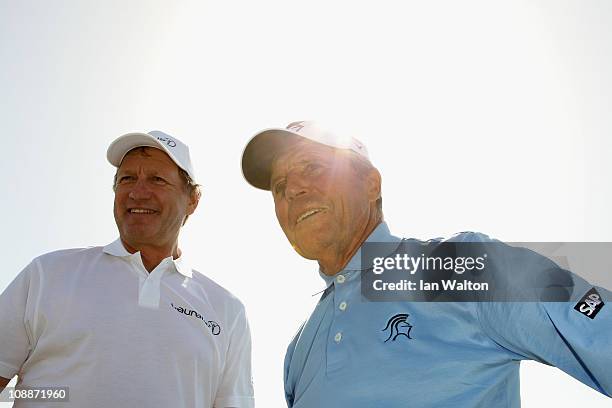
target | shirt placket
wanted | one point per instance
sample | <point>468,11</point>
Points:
<point>337,352</point>
<point>150,283</point>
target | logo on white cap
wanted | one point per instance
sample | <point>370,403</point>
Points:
<point>296,126</point>
<point>169,142</point>
<point>311,130</point>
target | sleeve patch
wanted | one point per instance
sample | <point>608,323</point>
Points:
<point>590,304</point>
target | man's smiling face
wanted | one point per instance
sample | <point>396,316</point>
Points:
<point>151,199</point>
<point>321,203</point>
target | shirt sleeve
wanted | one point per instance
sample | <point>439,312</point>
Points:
<point>557,333</point>
<point>15,339</point>
<point>236,387</point>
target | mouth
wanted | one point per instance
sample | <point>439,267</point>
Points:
<point>140,211</point>
<point>308,214</point>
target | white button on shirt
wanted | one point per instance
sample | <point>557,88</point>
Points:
<point>340,279</point>
<point>342,306</point>
<point>338,337</point>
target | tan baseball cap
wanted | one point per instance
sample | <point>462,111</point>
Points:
<point>262,148</point>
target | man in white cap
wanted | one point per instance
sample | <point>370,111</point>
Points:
<point>130,324</point>
<point>356,353</point>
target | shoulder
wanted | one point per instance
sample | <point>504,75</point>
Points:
<point>68,255</point>
<point>464,236</point>
<point>470,236</point>
<point>54,266</point>
<point>65,259</point>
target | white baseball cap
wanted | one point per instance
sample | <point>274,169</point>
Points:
<point>262,148</point>
<point>177,150</point>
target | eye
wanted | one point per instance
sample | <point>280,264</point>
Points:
<point>125,179</point>
<point>279,188</point>
<point>159,180</point>
<point>312,167</point>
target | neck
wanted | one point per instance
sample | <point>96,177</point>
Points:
<point>335,260</point>
<point>153,255</point>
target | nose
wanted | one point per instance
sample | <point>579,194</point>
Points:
<point>140,190</point>
<point>297,185</point>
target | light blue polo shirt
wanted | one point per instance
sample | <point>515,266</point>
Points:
<point>441,354</point>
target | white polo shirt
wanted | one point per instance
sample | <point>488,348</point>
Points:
<point>96,321</point>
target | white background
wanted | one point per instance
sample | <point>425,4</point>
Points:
<point>480,115</point>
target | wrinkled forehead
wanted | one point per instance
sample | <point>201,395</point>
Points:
<point>303,151</point>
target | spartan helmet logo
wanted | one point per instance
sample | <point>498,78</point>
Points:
<point>398,326</point>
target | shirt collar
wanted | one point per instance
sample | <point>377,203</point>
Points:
<point>380,234</point>
<point>116,248</point>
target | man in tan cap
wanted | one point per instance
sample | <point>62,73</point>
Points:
<point>356,353</point>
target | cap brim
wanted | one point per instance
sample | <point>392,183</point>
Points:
<point>123,144</point>
<point>260,152</point>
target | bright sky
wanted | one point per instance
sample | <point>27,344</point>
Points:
<point>480,115</point>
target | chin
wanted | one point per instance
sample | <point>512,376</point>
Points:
<point>306,254</point>
<point>312,249</point>
<point>137,236</point>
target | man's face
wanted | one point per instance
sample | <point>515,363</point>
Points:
<point>151,199</point>
<point>321,201</point>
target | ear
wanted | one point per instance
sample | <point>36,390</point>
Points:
<point>194,200</point>
<point>373,184</point>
